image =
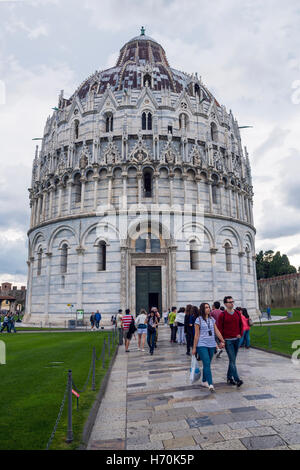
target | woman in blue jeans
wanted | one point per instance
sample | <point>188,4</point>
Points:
<point>152,323</point>
<point>205,343</point>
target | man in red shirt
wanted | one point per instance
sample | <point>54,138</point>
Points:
<point>231,327</point>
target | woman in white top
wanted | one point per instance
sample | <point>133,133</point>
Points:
<point>140,323</point>
<point>180,325</point>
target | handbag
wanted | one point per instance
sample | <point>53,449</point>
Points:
<point>250,322</point>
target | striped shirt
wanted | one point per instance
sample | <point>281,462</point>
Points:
<point>126,320</point>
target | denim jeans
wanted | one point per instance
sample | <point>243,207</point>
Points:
<point>173,332</point>
<point>120,336</point>
<point>181,338</point>
<point>232,347</point>
<point>206,355</point>
<point>245,339</point>
<point>189,339</point>
<point>151,340</point>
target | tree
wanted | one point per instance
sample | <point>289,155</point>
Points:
<point>269,265</point>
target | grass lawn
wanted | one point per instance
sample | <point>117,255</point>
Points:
<point>282,337</point>
<point>32,388</point>
<point>282,312</point>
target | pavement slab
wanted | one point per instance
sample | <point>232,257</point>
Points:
<point>149,403</point>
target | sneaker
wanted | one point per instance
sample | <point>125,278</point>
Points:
<point>239,383</point>
<point>211,388</point>
<point>231,382</point>
<point>204,384</point>
<point>219,353</point>
<point>188,353</point>
<point>128,350</point>
<point>139,349</point>
<point>143,350</point>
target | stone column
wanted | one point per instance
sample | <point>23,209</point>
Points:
<point>32,213</point>
<point>70,184</point>
<point>60,186</point>
<point>96,179</point>
<point>139,183</point>
<point>209,182</point>
<point>80,253</point>
<point>124,268</point>
<point>124,194</point>
<point>198,179</point>
<point>213,252</point>
<point>38,218</point>
<point>221,186</point>
<point>83,181</point>
<point>47,293</point>
<point>230,200</point>
<point>156,181</point>
<point>243,296</point>
<point>44,205</point>
<point>184,177</point>
<point>237,205</point>
<point>173,276</point>
<point>171,179</point>
<point>109,191</point>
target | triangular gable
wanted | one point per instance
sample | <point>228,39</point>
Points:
<point>75,104</point>
<point>146,93</point>
<point>184,98</point>
<point>108,96</point>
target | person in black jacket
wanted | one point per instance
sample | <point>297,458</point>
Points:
<point>189,321</point>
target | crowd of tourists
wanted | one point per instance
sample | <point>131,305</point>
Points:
<point>204,332</point>
<point>8,322</point>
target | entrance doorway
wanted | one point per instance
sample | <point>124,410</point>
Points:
<point>148,288</point>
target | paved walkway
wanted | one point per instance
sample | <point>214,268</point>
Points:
<point>149,403</point>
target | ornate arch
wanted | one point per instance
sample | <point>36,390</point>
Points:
<point>56,232</point>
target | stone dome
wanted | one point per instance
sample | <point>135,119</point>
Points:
<point>140,140</point>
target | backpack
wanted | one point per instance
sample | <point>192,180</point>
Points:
<point>132,328</point>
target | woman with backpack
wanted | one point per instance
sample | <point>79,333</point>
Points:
<point>152,324</point>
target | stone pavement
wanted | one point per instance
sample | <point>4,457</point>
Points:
<point>149,403</point>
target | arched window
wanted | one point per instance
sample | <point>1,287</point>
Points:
<point>213,132</point>
<point>148,183</point>
<point>215,190</point>
<point>39,261</point>
<point>64,259</point>
<point>228,257</point>
<point>101,256</point>
<point>77,188</point>
<point>194,255</point>
<point>147,80</point>
<point>140,245</point>
<point>76,129</point>
<point>155,244</point>
<point>197,90</point>
<point>183,122</point>
<point>109,122</point>
<point>147,121</point>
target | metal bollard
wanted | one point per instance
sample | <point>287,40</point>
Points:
<point>70,430</point>
<point>108,344</point>
<point>94,369</point>
<point>269,336</point>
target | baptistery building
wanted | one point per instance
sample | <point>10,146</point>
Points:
<point>141,195</point>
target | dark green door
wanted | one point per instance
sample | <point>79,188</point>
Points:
<point>148,288</point>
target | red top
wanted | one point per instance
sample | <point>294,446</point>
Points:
<point>126,320</point>
<point>246,326</point>
<point>216,313</point>
<point>230,326</point>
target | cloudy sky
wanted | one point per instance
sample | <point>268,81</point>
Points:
<point>248,54</point>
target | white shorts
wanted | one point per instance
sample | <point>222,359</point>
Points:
<point>142,331</point>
